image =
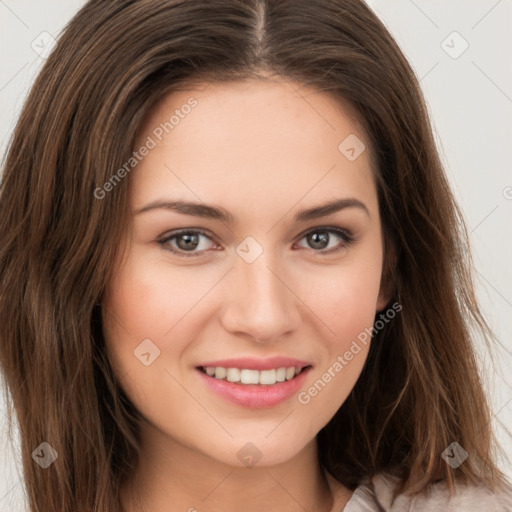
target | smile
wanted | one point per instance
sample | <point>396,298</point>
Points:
<point>254,383</point>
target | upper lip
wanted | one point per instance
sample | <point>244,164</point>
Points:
<point>251,363</point>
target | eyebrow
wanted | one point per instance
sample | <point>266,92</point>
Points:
<point>219,213</point>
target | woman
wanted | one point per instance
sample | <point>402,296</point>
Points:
<point>308,346</point>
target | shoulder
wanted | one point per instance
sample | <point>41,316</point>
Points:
<point>376,494</point>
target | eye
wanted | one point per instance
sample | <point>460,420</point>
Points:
<point>319,239</point>
<point>187,241</point>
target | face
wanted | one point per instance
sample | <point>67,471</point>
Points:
<point>265,284</point>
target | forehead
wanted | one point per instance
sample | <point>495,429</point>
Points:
<point>253,139</point>
<point>254,105</point>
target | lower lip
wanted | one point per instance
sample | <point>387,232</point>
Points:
<point>255,395</point>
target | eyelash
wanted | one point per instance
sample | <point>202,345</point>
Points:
<point>346,237</point>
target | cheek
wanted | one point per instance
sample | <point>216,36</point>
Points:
<point>144,314</point>
<point>139,307</point>
<point>344,300</point>
<point>149,299</point>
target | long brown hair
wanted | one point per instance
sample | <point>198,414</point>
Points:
<point>420,388</point>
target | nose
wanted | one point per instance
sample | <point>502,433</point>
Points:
<point>261,304</point>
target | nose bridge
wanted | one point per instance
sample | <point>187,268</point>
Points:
<point>260,305</point>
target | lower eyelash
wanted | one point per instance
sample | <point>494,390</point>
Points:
<point>347,238</point>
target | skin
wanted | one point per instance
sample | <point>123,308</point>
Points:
<point>263,150</point>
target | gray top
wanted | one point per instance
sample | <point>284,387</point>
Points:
<point>375,496</point>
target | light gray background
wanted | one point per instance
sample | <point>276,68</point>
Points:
<point>470,100</point>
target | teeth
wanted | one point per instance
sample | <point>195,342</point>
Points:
<point>249,376</point>
<point>220,372</point>
<point>268,377</point>
<point>245,376</point>
<point>233,375</point>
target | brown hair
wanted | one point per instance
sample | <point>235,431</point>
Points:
<point>420,388</point>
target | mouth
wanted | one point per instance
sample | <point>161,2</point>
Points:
<point>247,376</point>
<point>252,383</point>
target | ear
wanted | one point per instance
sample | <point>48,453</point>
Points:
<point>387,282</point>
